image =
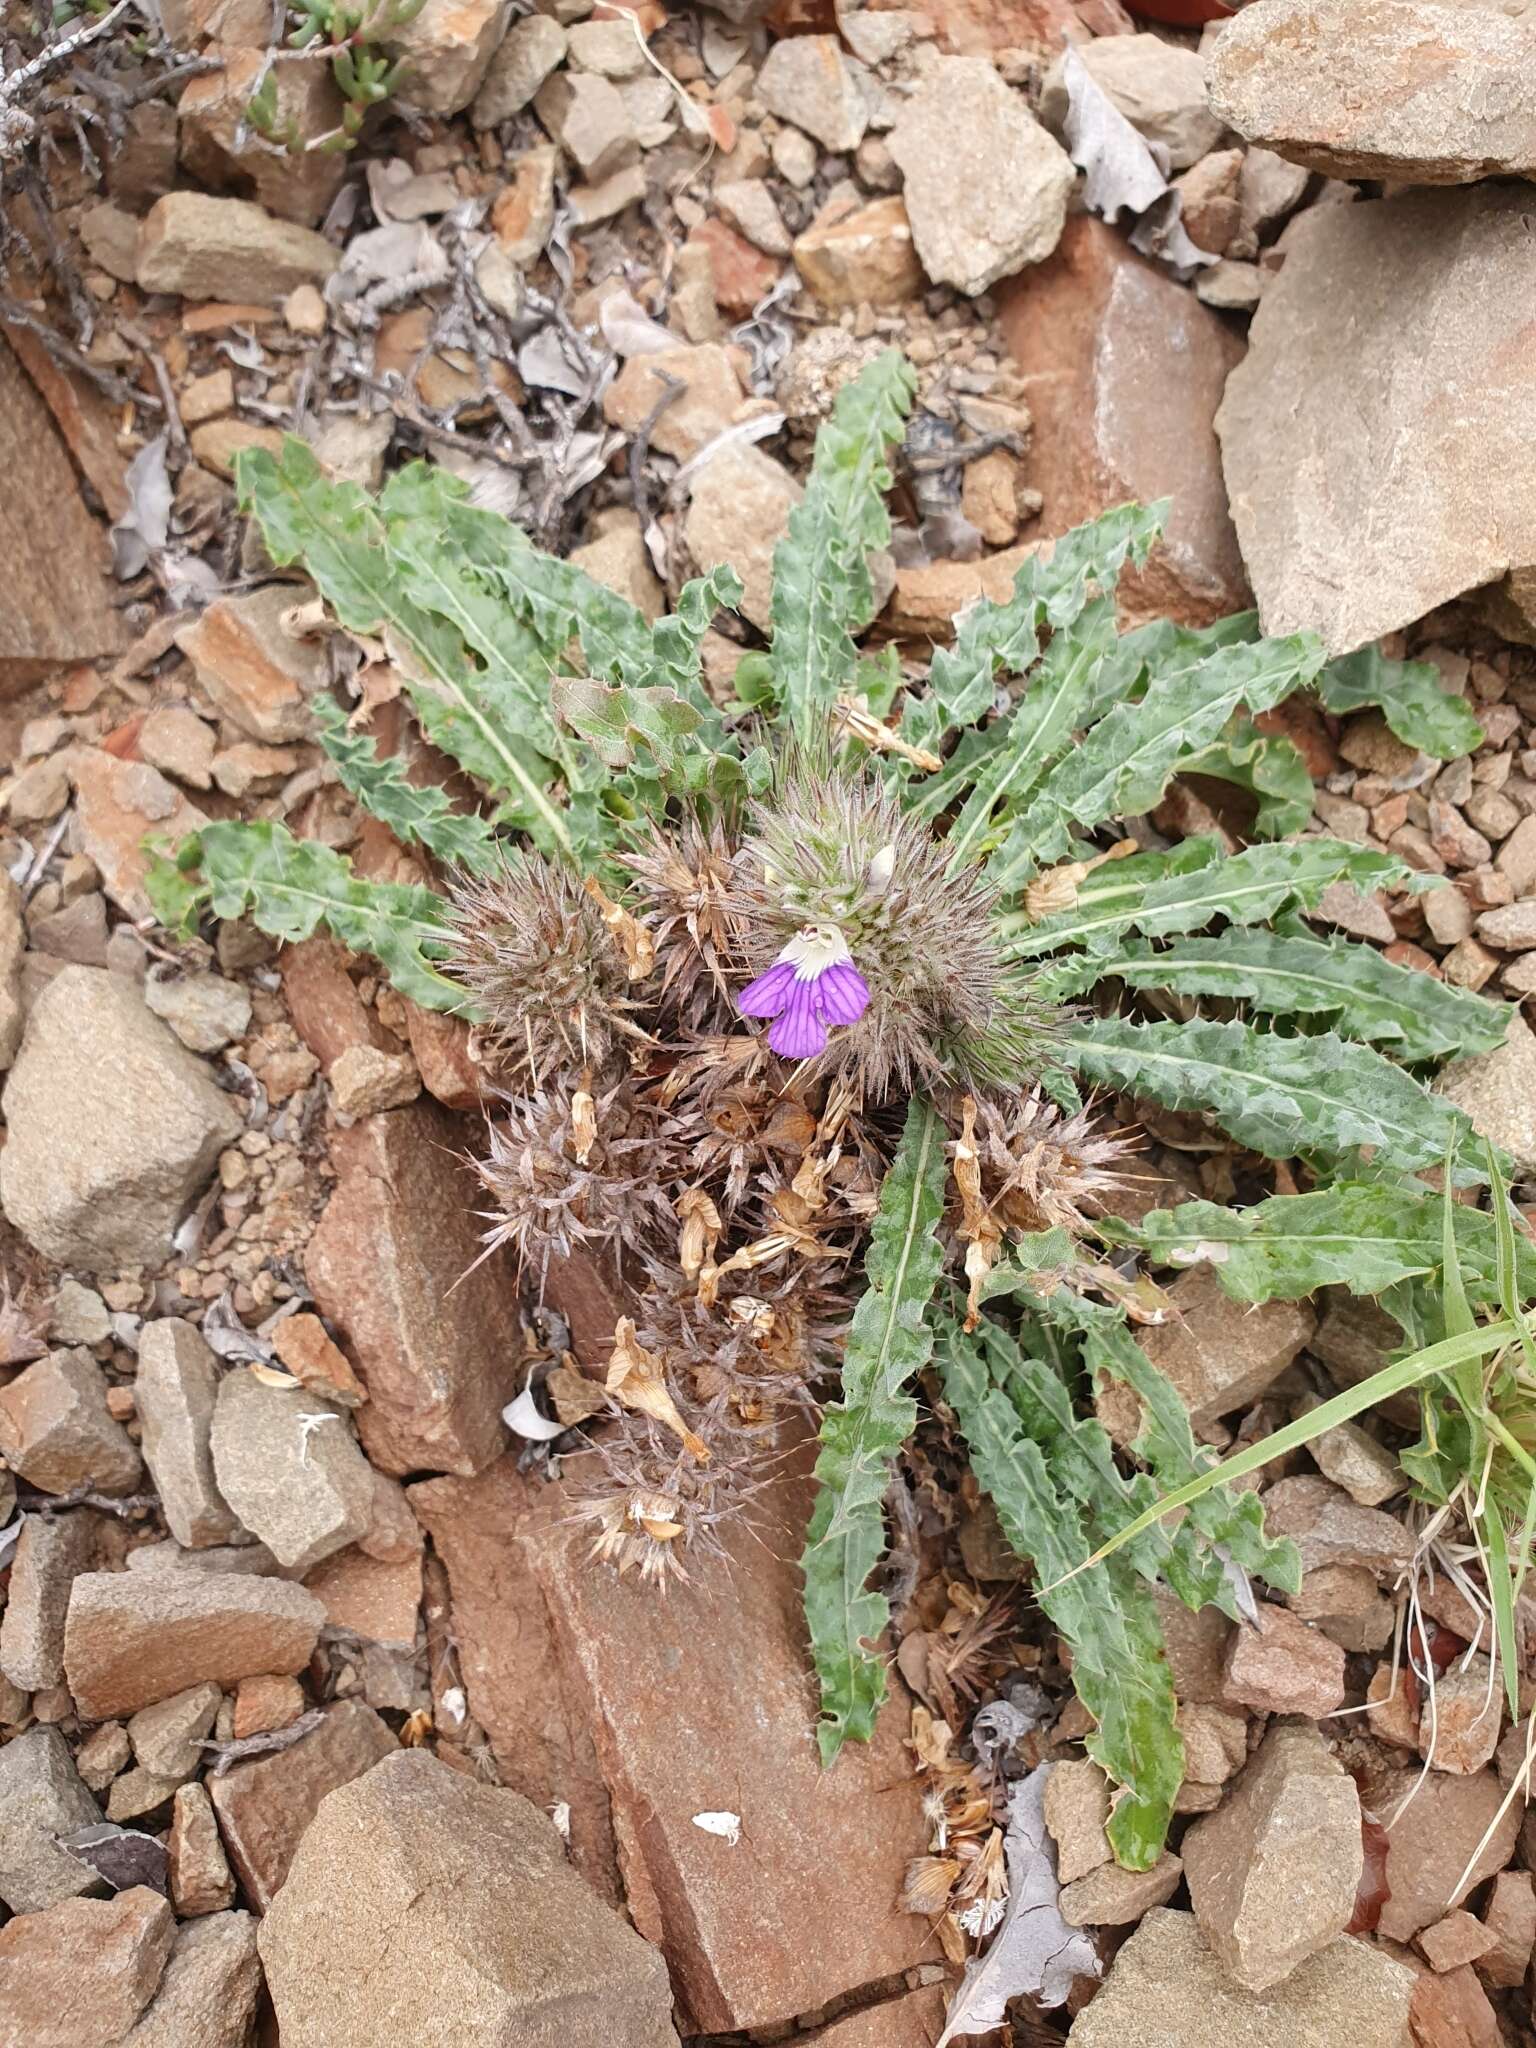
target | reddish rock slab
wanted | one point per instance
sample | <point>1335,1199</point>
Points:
<point>79,1974</point>
<point>742,275</point>
<point>440,1047</point>
<point>1452,2011</point>
<point>1281,1666</point>
<point>436,1344</point>
<point>1125,371</point>
<point>131,1638</point>
<point>1510,1917</point>
<point>58,575</point>
<point>584,1291</point>
<point>914,2020</point>
<point>265,1805</point>
<point>1037,26</point>
<point>483,1530</point>
<point>1436,1825</point>
<point>82,414</point>
<point>377,1598</point>
<point>819,1850</point>
<point>327,1011</point>
<point>121,805</point>
<point>803,1908</point>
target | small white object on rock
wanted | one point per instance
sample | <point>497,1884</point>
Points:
<point>289,1466</point>
<point>726,1825</point>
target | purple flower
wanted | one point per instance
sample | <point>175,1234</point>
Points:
<point>812,984</point>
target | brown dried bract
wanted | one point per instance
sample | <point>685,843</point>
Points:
<point>636,1377</point>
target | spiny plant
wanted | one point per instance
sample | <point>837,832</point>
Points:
<point>790,991</point>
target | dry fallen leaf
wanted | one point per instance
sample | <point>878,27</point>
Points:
<point>272,1375</point>
<point>857,719</point>
<point>1035,1954</point>
<point>635,1377</point>
<point>1057,888</point>
<point>1122,173</point>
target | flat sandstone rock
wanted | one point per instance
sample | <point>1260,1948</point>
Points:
<point>1376,438</point>
<point>1430,92</point>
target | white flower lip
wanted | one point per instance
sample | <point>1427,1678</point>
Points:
<point>814,949</point>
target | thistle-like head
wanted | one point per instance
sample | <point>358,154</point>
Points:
<point>531,950</point>
<point>873,954</point>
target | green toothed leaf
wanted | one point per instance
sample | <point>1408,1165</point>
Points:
<point>621,721</point>
<point>1365,995</point>
<point>1185,1558</point>
<point>1124,763</point>
<point>822,593</point>
<point>1160,894</point>
<point>676,641</point>
<point>1269,767</point>
<point>420,816</point>
<point>1419,710</point>
<point>290,887</point>
<point>1050,589</point>
<point>1057,702</point>
<point>490,718</point>
<point>1119,1663</point>
<point>1363,1235</point>
<point>889,1342</point>
<point>1285,1097</point>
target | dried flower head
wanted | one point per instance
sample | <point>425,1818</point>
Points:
<point>755,1348</point>
<point>568,1170</point>
<point>881,956</point>
<point>682,878</point>
<point>650,1503</point>
<point>1042,1169</point>
<point>533,952</point>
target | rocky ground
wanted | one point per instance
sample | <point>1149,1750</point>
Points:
<point>317,1725</point>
